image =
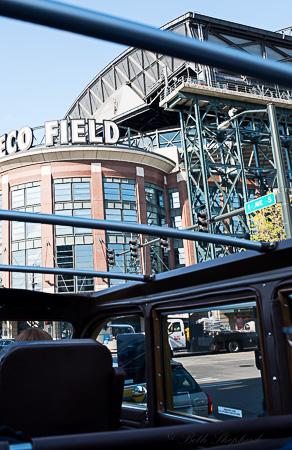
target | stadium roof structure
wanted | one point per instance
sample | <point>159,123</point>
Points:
<point>128,89</point>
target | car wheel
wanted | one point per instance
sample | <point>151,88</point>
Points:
<point>233,346</point>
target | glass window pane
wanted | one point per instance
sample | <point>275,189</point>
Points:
<point>174,200</point>
<point>18,279</point>
<point>113,214</point>
<point>34,258</point>
<point>84,261</point>
<point>128,192</point>
<point>33,195</point>
<point>65,256</point>
<point>17,198</point>
<point>130,216</point>
<point>86,214</point>
<point>81,191</point>
<point>65,260</point>
<point>111,191</point>
<point>84,257</point>
<point>33,230</point>
<point>225,337</point>
<point>62,229</point>
<point>17,230</point>
<point>63,192</point>
<point>150,195</point>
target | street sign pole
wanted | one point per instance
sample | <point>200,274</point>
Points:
<point>281,175</point>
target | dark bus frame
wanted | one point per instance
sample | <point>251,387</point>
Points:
<point>263,273</point>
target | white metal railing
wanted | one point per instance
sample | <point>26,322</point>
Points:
<point>250,89</point>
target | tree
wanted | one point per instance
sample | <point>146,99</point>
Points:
<point>267,224</point>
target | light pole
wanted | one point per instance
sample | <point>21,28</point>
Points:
<point>278,160</point>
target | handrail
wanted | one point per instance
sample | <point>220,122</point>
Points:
<point>150,230</point>
<point>243,88</point>
<point>101,26</point>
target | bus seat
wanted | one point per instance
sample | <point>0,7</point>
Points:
<point>59,387</point>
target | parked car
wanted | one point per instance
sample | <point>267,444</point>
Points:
<point>188,396</point>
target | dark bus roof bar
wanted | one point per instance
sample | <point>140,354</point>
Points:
<point>150,230</point>
<point>101,26</point>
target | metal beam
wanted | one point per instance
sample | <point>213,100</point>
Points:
<point>93,24</point>
<point>149,230</point>
<point>75,272</point>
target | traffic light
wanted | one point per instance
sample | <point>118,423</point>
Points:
<point>164,243</point>
<point>111,260</point>
<point>202,217</point>
<point>133,248</point>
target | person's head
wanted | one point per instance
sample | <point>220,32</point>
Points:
<point>33,334</point>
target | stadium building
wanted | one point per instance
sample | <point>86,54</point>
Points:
<point>141,144</point>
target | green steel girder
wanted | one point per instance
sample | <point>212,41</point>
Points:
<point>225,169</point>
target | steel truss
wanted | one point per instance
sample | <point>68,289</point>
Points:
<point>226,169</point>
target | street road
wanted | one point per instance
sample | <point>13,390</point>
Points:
<point>231,379</point>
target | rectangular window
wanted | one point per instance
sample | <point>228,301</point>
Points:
<point>84,261</point>
<point>30,257</point>
<point>18,230</point>
<point>113,214</point>
<point>79,257</point>
<point>33,195</point>
<point>130,216</point>
<point>63,192</point>
<point>128,192</point>
<point>34,258</point>
<point>82,213</point>
<point>25,198</point>
<point>65,260</point>
<point>62,229</point>
<point>222,337</point>
<point>17,199</point>
<point>111,191</point>
<point>33,230</point>
<point>174,199</point>
<point>18,278</point>
<point>81,191</point>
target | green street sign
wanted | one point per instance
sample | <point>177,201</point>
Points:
<point>259,203</point>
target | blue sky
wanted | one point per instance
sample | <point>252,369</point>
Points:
<point>42,71</point>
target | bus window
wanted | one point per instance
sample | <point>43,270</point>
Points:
<point>9,329</point>
<point>124,336</point>
<point>216,372</point>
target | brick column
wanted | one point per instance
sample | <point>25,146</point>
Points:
<point>48,244</point>
<point>142,218</point>
<point>97,212</point>
<point>185,217</point>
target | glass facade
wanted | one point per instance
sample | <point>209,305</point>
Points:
<point>74,245</point>
<point>26,237</point>
<point>156,216</point>
<point>120,205</point>
<point>175,218</point>
<point>79,257</point>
